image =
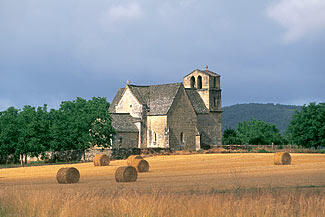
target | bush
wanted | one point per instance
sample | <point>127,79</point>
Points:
<point>124,153</point>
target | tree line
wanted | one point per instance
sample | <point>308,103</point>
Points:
<point>306,129</point>
<point>76,125</point>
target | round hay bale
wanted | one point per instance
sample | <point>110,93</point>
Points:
<point>126,174</point>
<point>68,175</point>
<point>101,160</point>
<point>282,158</point>
<point>131,158</point>
<point>141,165</point>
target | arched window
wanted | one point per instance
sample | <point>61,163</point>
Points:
<point>192,82</point>
<point>120,140</point>
<point>181,138</point>
<point>214,82</point>
<point>199,82</point>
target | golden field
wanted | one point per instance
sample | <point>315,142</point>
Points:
<point>176,185</point>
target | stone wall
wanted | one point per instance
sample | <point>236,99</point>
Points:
<point>125,140</point>
<point>157,132</point>
<point>182,123</point>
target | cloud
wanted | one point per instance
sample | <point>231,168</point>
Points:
<point>298,17</point>
<point>122,12</point>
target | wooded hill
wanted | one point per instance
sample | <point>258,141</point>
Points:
<point>277,114</point>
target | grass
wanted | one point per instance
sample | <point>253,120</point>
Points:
<point>176,185</point>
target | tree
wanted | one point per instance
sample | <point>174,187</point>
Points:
<point>26,133</point>
<point>257,132</point>
<point>231,137</point>
<point>33,130</point>
<point>8,134</point>
<point>81,124</point>
<point>307,127</point>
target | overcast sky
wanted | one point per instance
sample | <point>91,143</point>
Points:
<point>270,51</point>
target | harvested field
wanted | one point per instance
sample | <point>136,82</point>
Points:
<point>212,179</point>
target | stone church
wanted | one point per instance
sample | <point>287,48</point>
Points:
<point>176,116</point>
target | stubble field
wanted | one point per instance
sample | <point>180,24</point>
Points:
<point>176,185</point>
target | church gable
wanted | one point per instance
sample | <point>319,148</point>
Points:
<point>128,103</point>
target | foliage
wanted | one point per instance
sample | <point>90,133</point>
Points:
<point>230,137</point>
<point>76,125</point>
<point>257,132</point>
<point>8,133</point>
<point>279,115</point>
<point>123,153</point>
<point>253,132</point>
<point>307,127</point>
<point>80,124</point>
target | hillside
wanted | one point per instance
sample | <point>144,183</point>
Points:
<point>277,114</point>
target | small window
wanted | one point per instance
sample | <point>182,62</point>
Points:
<point>181,138</point>
<point>192,82</point>
<point>214,82</point>
<point>199,82</point>
<point>120,140</point>
<point>130,106</point>
<point>155,137</point>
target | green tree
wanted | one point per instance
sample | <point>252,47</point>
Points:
<point>8,134</point>
<point>33,130</point>
<point>81,124</point>
<point>257,132</point>
<point>231,137</point>
<point>307,127</point>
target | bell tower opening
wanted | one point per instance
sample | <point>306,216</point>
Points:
<point>199,82</point>
<point>192,82</point>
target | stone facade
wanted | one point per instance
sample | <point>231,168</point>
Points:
<point>172,116</point>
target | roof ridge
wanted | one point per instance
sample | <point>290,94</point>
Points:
<point>133,85</point>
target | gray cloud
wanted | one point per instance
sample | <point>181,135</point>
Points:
<point>298,17</point>
<point>57,50</point>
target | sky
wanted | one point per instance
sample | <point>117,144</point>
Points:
<point>270,51</point>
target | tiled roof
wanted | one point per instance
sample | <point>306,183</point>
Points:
<point>207,72</point>
<point>196,101</point>
<point>118,96</point>
<point>123,122</point>
<point>161,98</point>
<point>141,93</point>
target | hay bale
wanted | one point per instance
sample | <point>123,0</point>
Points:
<point>141,165</point>
<point>101,160</point>
<point>282,158</point>
<point>126,174</point>
<point>131,158</point>
<point>68,175</point>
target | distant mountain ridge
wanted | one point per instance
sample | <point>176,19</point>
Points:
<point>277,114</point>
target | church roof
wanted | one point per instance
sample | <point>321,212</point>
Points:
<point>207,72</point>
<point>118,96</point>
<point>161,98</point>
<point>124,122</point>
<point>158,99</point>
<point>196,101</point>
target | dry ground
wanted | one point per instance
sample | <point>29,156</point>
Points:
<point>174,183</point>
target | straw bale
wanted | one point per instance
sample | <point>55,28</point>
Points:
<point>282,158</point>
<point>126,174</point>
<point>141,165</point>
<point>101,160</point>
<point>131,158</point>
<point>68,175</point>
